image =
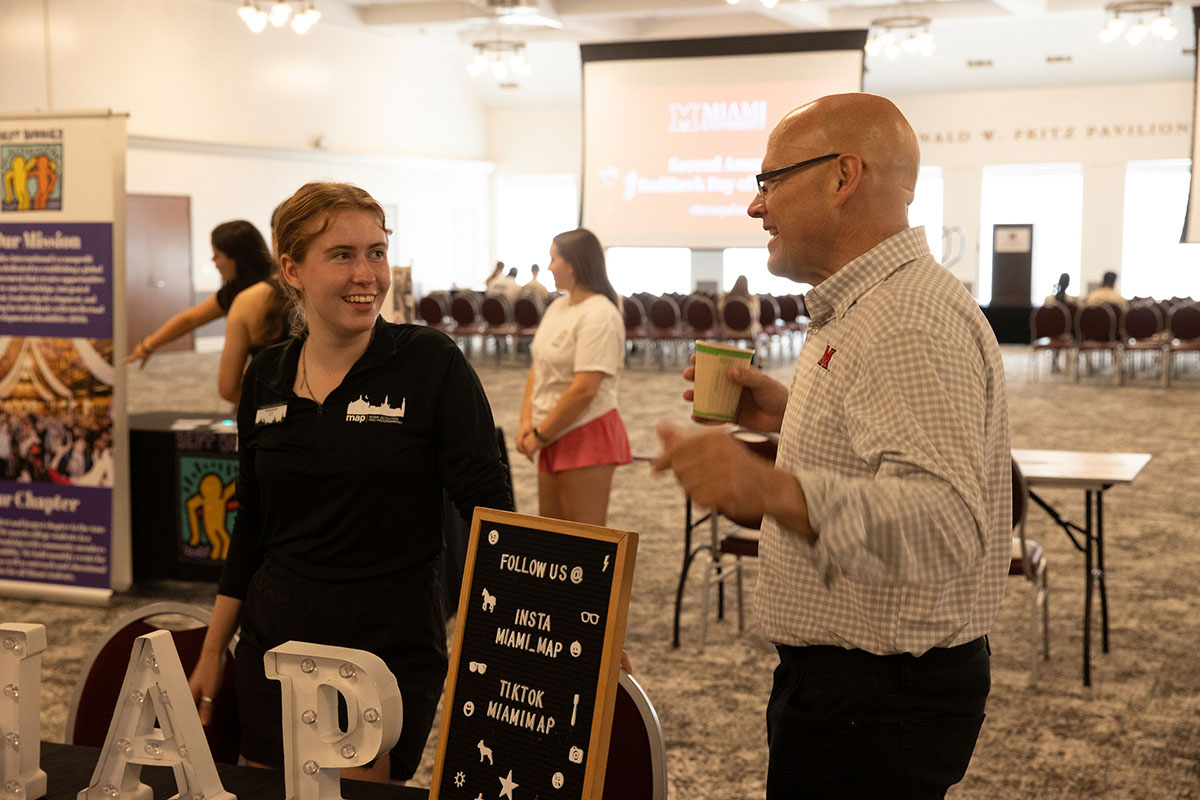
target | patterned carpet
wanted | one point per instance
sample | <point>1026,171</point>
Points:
<point>1134,734</point>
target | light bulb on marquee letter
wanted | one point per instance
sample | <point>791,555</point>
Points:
<point>314,747</point>
<point>20,709</point>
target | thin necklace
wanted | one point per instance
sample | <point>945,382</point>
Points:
<point>304,372</point>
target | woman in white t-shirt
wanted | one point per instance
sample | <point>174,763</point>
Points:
<point>569,416</point>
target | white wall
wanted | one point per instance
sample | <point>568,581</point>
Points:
<point>528,142</point>
<point>230,118</point>
<point>1100,127</point>
<point>441,206</point>
<point>190,69</point>
<point>546,141</point>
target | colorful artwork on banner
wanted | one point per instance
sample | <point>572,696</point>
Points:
<point>33,176</point>
<point>56,402</point>
<point>207,506</point>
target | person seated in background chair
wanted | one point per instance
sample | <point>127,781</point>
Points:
<point>1107,293</point>
<point>740,291</point>
<point>1059,295</point>
<point>535,287</point>
<point>497,273</point>
<point>507,285</point>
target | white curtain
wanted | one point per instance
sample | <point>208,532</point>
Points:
<point>58,386</point>
<point>95,362</point>
<point>14,375</point>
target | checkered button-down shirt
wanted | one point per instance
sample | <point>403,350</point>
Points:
<point>897,430</point>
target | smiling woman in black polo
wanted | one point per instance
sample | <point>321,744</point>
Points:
<point>347,435</point>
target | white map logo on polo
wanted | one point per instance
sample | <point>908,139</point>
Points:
<point>362,411</point>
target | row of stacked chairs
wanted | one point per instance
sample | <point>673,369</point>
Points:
<point>468,315</point>
<point>656,326</point>
<point>1151,334</point>
<point>668,324</point>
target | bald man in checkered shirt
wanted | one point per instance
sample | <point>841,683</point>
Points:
<point>886,518</point>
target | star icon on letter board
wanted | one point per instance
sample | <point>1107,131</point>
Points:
<point>507,784</point>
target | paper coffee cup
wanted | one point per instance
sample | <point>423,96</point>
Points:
<point>716,397</point>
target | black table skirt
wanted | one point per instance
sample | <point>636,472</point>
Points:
<point>69,770</point>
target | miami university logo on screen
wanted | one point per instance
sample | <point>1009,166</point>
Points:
<point>824,362</point>
<point>735,115</point>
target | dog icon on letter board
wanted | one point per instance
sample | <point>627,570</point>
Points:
<point>489,601</point>
<point>485,752</point>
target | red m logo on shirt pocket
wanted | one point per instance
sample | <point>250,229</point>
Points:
<point>824,362</point>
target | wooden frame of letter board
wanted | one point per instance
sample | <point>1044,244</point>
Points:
<point>614,636</point>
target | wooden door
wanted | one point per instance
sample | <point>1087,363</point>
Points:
<point>158,264</point>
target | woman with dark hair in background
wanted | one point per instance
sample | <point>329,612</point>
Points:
<point>570,413</point>
<point>347,435</point>
<point>256,320</point>
<point>242,258</point>
<point>1060,291</point>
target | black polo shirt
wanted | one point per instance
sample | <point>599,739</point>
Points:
<point>352,488</point>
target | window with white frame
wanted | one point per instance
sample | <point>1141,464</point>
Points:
<point>926,207</point>
<point>752,262</point>
<point>530,211</point>
<point>1048,196</point>
<point>1153,262</point>
<point>656,270</point>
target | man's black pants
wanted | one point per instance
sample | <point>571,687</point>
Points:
<point>849,724</point>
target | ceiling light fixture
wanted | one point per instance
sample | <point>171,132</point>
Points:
<point>892,36</point>
<point>1121,15</point>
<point>256,17</point>
<point>502,57</point>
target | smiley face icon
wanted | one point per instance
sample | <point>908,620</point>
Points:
<point>493,536</point>
<point>468,708</point>
<point>576,648</point>
<point>557,780</point>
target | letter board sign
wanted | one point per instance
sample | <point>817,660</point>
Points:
<point>533,670</point>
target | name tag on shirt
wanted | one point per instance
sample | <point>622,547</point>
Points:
<point>271,415</point>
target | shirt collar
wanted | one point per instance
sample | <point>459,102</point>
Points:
<point>833,296</point>
<point>381,348</point>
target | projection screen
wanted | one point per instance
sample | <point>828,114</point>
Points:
<point>674,131</point>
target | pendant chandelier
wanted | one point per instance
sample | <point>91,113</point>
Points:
<point>256,15</point>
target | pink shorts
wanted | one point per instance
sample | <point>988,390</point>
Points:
<point>601,441</point>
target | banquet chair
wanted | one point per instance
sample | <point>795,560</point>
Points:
<point>637,336</point>
<point>498,322</point>
<point>701,318</point>
<point>772,330</point>
<point>434,311</point>
<point>792,320</point>
<point>103,673</point>
<point>1184,326</point>
<point>637,753</point>
<point>1029,561</point>
<point>1142,334</point>
<point>736,319</point>
<point>1096,332</point>
<point>1049,332</point>
<point>739,541</point>
<point>664,328</point>
<point>467,320</point>
<point>527,313</point>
